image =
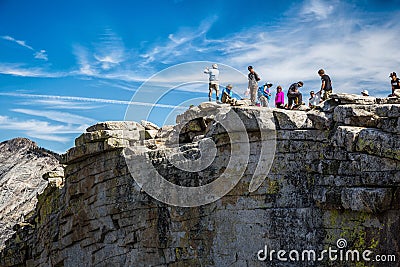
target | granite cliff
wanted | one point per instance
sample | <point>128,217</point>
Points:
<point>335,175</point>
<point>22,164</point>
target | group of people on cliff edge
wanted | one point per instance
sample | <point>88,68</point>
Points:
<point>260,95</point>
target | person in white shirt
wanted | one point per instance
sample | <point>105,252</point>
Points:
<point>213,81</point>
<point>364,93</point>
<point>314,100</point>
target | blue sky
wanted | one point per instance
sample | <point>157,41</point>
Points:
<point>65,65</point>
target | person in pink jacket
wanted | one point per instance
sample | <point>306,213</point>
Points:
<point>279,98</point>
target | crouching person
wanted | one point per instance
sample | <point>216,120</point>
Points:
<point>226,96</point>
<point>294,96</point>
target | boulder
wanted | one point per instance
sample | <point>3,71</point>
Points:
<point>371,200</point>
<point>115,125</point>
<point>356,115</point>
<point>149,125</point>
<point>320,120</point>
<point>379,143</point>
<point>164,131</point>
<point>345,136</point>
<point>344,98</point>
<point>291,119</point>
<point>101,135</point>
<point>55,177</point>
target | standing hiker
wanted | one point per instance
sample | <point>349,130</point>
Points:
<point>395,84</point>
<point>326,85</point>
<point>213,81</point>
<point>264,94</point>
<point>253,84</point>
<point>279,98</point>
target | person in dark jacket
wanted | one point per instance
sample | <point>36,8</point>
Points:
<point>326,85</point>
<point>395,82</point>
<point>294,96</point>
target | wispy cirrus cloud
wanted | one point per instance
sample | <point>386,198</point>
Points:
<point>65,117</point>
<point>316,9</point>
<point>41,54</point>
<point>179,44</point>
<point>59,104</point>
<point>19,42</point>
<point>110,51</point>
<point>93,100</point>
<point>25,71</point>
<point>103,57</point>
<point>41,129</point>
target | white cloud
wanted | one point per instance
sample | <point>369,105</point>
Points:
<point>21,70</point>
<point>59,104</point>
<point>103,58</point>
<point>179,43</point>
<point>118,84</point>
<point>57,116</point>
<point>110,51</point>
<point>49,137</point>
<point>41,129</point>
<point>93,100</point>
<point>37,54</point>
<point>317,9</point>
<point>42,54</point>
<point>21,43</point>
<point>82,55</point>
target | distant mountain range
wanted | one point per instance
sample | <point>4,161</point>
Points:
<point>22,164</point>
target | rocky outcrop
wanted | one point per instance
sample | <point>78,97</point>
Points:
<point>22,164</point>
<point>335,175</point>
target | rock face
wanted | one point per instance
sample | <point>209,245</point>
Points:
<point>335,174</point>
<point>22,164</point>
